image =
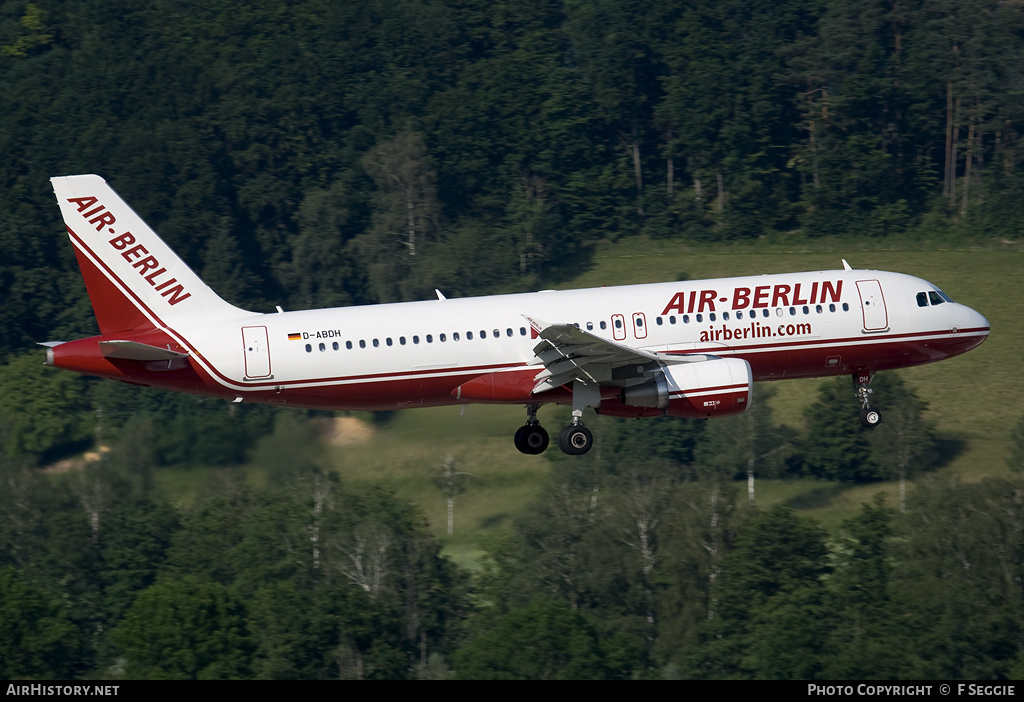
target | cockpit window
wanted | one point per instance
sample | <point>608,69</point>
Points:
<point>922,299</point>
<point>935,298</point>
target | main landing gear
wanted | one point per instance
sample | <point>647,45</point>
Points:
<point>575,439</point>
<point>531,438</point>
<point>861,381</point>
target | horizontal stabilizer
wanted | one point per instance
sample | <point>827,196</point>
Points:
<point>134,351</point>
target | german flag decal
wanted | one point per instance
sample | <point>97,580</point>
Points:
<point>294,337</point>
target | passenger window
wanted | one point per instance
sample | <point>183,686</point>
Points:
<point>322,346</point>
<point>739,315</point>
<point>604,325</point>
<point>508,332</point>
<point>846,307</point>
<point>672,319</point>
<point>362,343</point>
<point>335,345</point>
<point>415,339</point>
<point>700,318</point>
<point>832,308</point>
<point>309,348</point>
<point>348,345</point>
<point>455,336</point>
<point>483,334</point>
<point>388,341</point>
<point>469,336</point>
<point>442,338</point>
<point>618,324</point>
<point>376,343</point>
<point>522,330</point>
<point>764,312</point>
<point>922,299</point>
<point>711,316</point>
<point>430,338</point>
<point>725,316</point>
<point>401,340</point>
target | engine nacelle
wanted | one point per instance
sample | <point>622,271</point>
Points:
<point>716,387</point>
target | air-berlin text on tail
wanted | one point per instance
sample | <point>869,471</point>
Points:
<point>137,255</point>
<point>778,295</point>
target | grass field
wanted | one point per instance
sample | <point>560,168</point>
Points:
<point>975,399</point>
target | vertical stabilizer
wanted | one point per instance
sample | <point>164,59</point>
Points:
<point>134,279</point>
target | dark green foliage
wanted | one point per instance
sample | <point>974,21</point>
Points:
<point>771,618</point>
<point>545,640</point>
<point>866,641</point>
<point>37,638</point>
<point>836,446</point>
<point>185,629</point>
<point>960,583</point>
<point>54,414</point>
<point>247,138</point>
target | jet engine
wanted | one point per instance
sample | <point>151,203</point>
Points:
<point>715,387</point>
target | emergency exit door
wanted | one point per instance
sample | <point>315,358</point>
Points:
<point>873,305</point>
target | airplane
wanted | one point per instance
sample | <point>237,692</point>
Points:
<point>684,349</point>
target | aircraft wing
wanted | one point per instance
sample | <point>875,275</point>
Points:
<point>569,353</point>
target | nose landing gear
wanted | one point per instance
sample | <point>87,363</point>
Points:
<point>868,417</point>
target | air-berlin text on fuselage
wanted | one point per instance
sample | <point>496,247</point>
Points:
<point>146,265</point>
<point>778,295</point>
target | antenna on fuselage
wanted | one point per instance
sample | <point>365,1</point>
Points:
<point>846,266</point>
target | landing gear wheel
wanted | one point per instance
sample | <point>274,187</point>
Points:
<point>575,440</point>
<point>531,439</point>
<point>870,417</point>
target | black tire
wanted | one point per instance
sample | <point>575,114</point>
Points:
<point>870,418</point>
<point>531,440</point>
<point>575,440</point>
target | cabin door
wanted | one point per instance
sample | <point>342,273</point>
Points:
<point>257,352</point>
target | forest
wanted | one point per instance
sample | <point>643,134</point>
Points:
<point>310,153</point>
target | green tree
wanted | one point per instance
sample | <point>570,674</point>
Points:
<point>958,583</point>
<point>835,445</point>
<point>37,637</point>
<point>545,640</point>
<point>904,444</point>
<point>185,630</point>
<point>55,413</point>
<point>772,613</point>
<point>866,640</point>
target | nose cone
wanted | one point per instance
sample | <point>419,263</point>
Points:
<point>974,320</point>
<point>972,324</point>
